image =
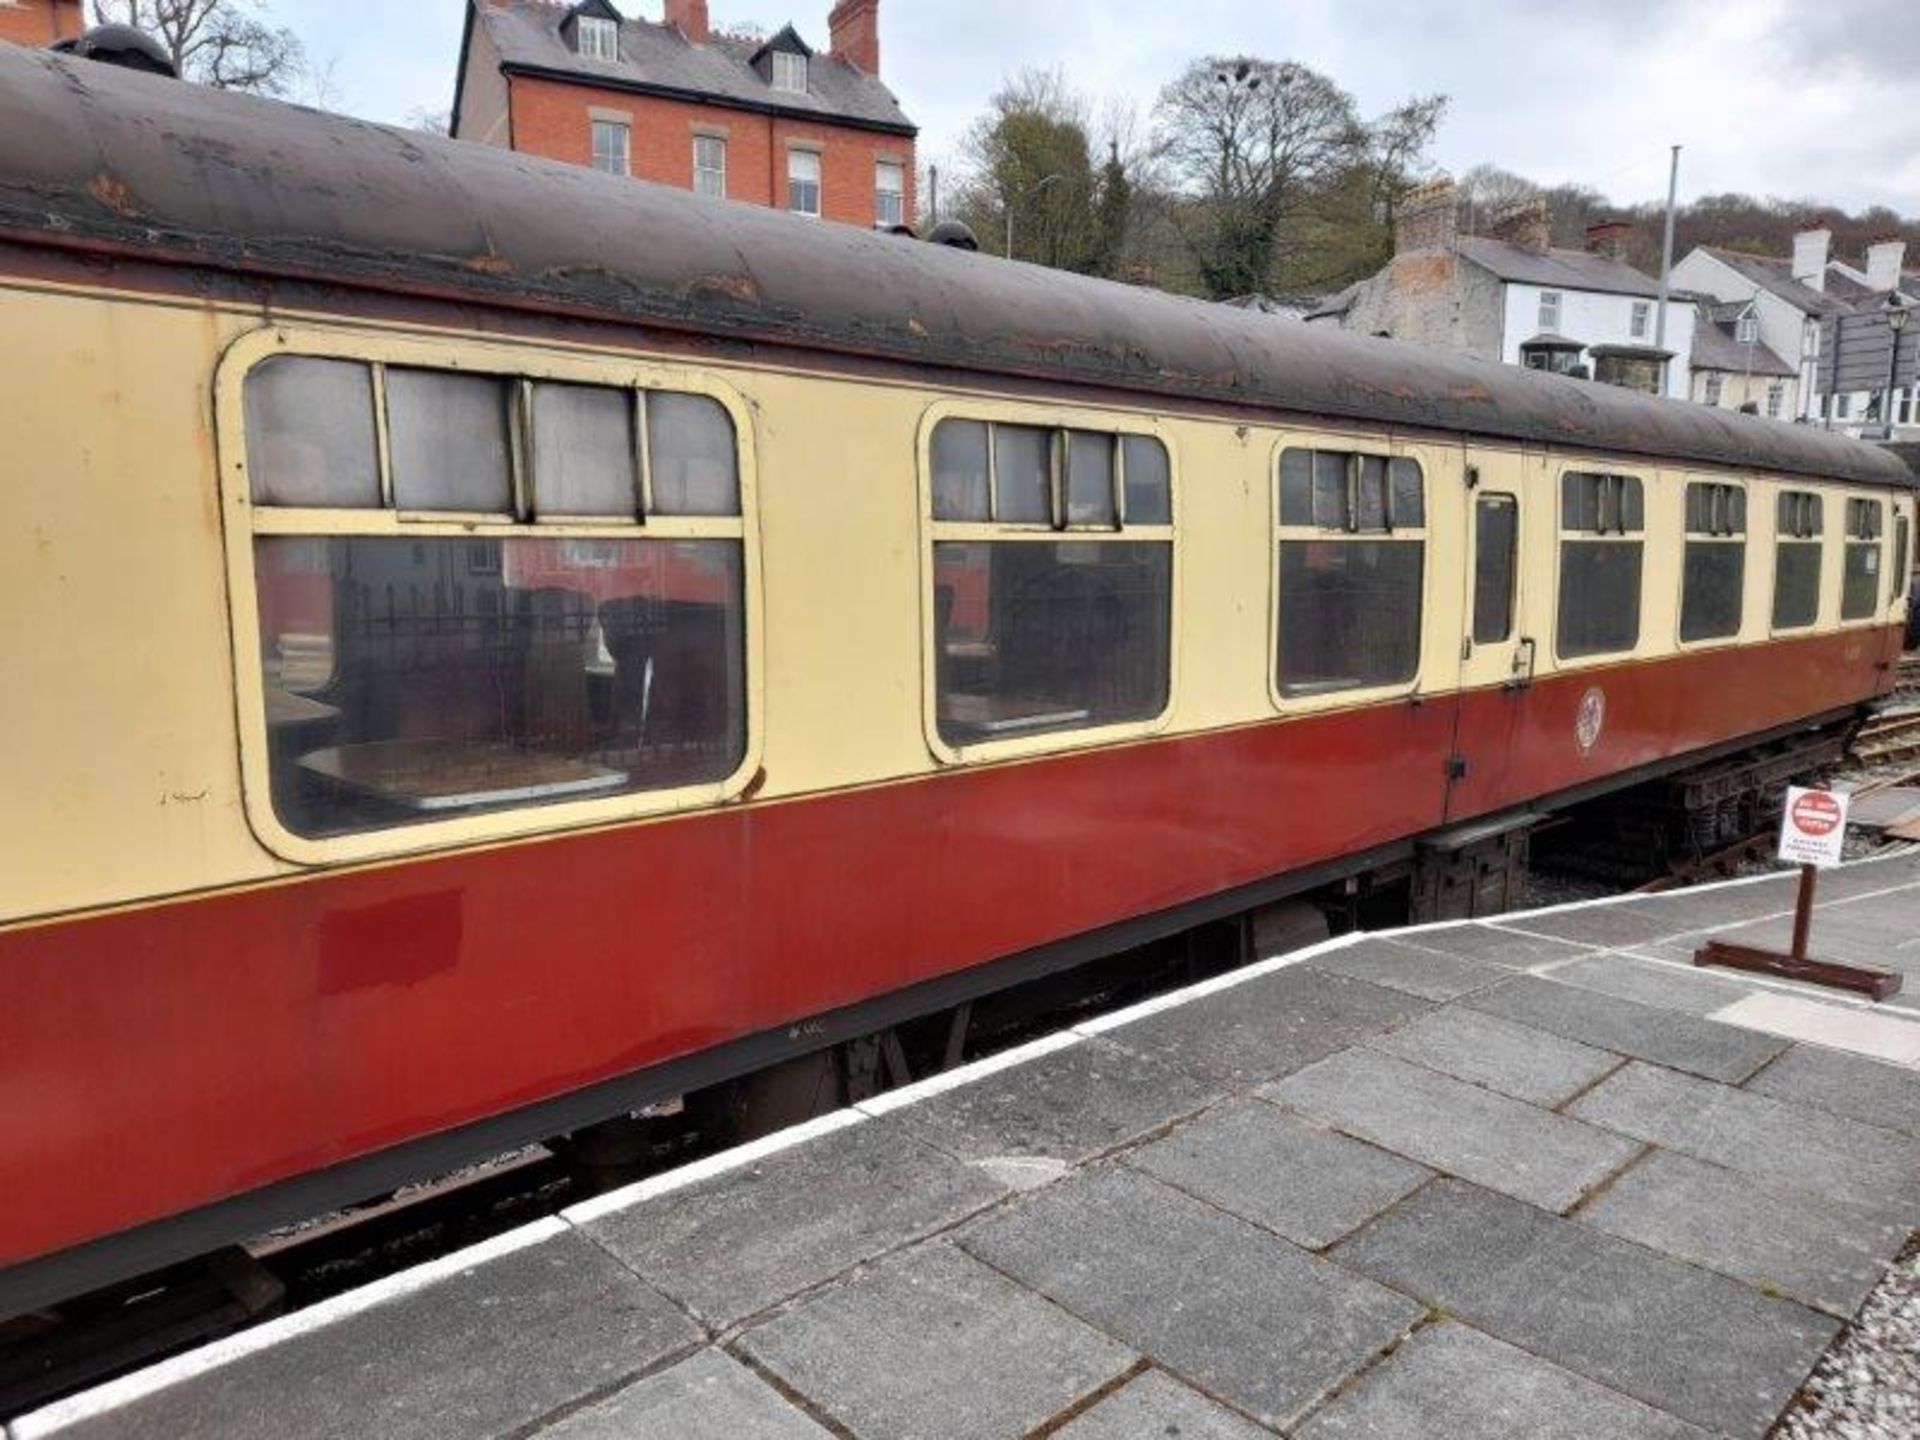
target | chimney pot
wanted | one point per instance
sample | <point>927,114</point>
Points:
<point>854,27</point>
<point>689,17</point>
<point>1610,238</point>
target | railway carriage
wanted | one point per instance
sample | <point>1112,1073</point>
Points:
<point>492,647</point>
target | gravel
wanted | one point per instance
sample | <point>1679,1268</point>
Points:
<point>1867,1387</point>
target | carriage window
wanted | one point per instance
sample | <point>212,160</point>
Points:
<point>451,442</point>
<point>1352,559</point>
<point>1052,580</point>
<point>1865,547</point>
<point>311,438</point>
<point>1496,548</point>
<point>1602,520</point>
<point>1715,570</point>
<point>1796,560</point>
<point>1897,578</point>
<point>426,668</point>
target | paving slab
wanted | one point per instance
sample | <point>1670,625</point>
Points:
<point>1491,1139</point>
<point>933,1345</point>
<point>1698,1345</point>
<point>483,1353</point>
<point>1756,1135</point>
<point>1502,1055</point>
<point>1303,1182</point>
<point>709,1396</point>
<point>1452,1382</point>
<point>1626,1027</point>
<point>1605,927</point>
<point>1271,1026</point>
<point>1651,982</point>
<point>733,1245</point>
<point>1231,1309</point>
<point>1156,1404</point>
<point>1489,944</point>
<point>1430,974</point>
<point>1071,1105</point>
<point>1825,1253</point>
<point>1873,1032</point>
<point>1848,1085</point>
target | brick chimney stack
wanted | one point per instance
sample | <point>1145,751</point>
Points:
<point>1810,250</point>
<point>855,29</point>
<point>1428,219</point>
<point>1886,259</point>
<point>1610,238</point>
<point>1526,225</point>
<point>689,17</point>
<point>41,22</point>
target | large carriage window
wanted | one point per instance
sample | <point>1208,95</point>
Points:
<point>1897,577</point>
<point>1716,562</point>
<point>1052,579</point>
<point>1352,558</point>
<point>1602,525</point>
<point>584,640</point>
<point>1866,542</point>
<point>1496,549</point>
<point>1796,560</point>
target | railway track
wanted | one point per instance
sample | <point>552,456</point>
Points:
<point>1892,735</point>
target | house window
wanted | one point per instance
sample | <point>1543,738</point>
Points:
<point>598,39</point>
<point>1842,406</point>
<point>1746,330</point>
<point>477,617</point>
<point>1903,407</point>
<point>1776,399</point>
<point>1796,560</point>
<point>1352,563</point>
<point>803,182</point>
<point>1716,385</point>
<point>1715,565</point>
<point>790,72</point>
<point>1602,520</point>
<point>1860,573</point>
<point>1642,317</point>
<point>1550,311</point>
<point>612,143</point>
<point>1053,580</point>
<point>710,166</point>
<point>889,193</point>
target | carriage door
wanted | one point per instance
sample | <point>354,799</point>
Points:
<point>1497,650</point>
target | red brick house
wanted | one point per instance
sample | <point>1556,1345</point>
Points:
<point>41,22</point>
<point>768,122</point>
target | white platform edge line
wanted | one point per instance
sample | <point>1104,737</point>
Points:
<point>1735,979</point>
<point>116,1394</point>
<point>1174,999</point>
<point>962,1075</point>
<point>638,1193</point>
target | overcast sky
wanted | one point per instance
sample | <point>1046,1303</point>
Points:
<point>1791,98</point>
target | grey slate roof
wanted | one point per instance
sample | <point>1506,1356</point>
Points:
<point>1716,348</point>
<point>1776,277</point>
<point>1566,269</point>
<point>660,59</point>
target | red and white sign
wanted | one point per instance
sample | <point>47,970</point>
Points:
<point>1814,826</point>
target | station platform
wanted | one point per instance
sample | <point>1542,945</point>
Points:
<point>1531,1177</point>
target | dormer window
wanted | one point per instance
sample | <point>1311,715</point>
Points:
<point>789,72</point>
<point>1747,329</point>
<point>598,39</point>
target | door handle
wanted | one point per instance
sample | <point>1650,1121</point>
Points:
<point>1523,662</point>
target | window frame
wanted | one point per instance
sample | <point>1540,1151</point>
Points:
<point>1120,425</point>
<point>1562,537</point>
<point>780,73</point>
<point>245,522</point>
<point>881,164</point>
<point>606,33</point>
<point>1817,542</point>
<point>1716,534</point>
<point>701,141</point>
<point>819,182</point>
<point>1558,307</point>
<point>595,125</point>
<point>1856,502</point>
<point>1640,320</point>
<point>1278,532</point>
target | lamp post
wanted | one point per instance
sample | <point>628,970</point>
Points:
<point>1897,317</point>
<point>1024,196</point>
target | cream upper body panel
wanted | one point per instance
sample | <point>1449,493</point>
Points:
<point>125,748</point>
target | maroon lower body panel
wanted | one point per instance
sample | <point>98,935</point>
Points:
<point>157,1060</point>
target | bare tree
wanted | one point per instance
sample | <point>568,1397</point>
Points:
<point>227,44</point>
<point>1251,140</point>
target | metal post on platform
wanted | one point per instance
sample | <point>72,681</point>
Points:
<point>1803,911</point>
